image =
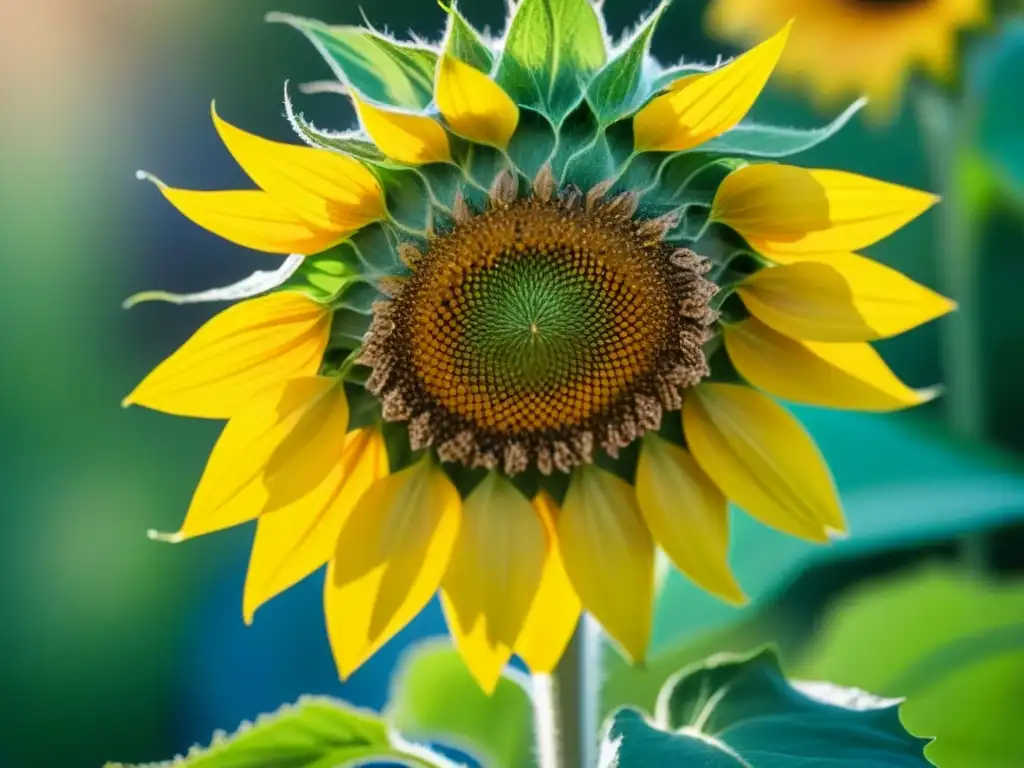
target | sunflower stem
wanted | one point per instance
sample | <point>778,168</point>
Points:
<point>566,703</point>
<point>960,275</point>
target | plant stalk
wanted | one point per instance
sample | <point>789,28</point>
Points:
<point>960,278</point>
<point>960,270</point>
<point>566,703</point>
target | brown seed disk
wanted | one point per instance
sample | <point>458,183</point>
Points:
<point>539,329</point>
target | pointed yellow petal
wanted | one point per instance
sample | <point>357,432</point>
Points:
<point>781,209</point>
<point>473,105</point>
<point>407,138</point>
<point>484,658</point>
<point>609,555</point>
<point>233,488</point>
<point>843,297</point>
<point>699,107</point>
<point>239,353</point>
<point>392,552</point>
<point>251,219</point>
<point>762,459</point>
<point>687,515</point>
<point>328,190</point>
<point>310,449</point>
<point>851,376</point>
<point>493,576</point>
<point>293,542</point>
<point>556,610</point>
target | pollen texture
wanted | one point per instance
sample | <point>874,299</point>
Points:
<point>538,330</point>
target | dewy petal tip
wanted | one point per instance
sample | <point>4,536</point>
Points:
<point>165,538</point>
<point>280,17</point>
<point>141,175</point>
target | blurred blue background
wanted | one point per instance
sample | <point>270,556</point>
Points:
<point>115,647</point>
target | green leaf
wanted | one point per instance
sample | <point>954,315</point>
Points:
<point>552,49</point>
<point>314,733</point>
<point>496,727</point>
<point>994,104</point>
<point>463,42</point>
<point>952,643</point>
<point>376,67</point>
<point>774,141</point>
<point>615,90</point>
<point>737,712</point>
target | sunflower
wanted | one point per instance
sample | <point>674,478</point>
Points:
<point>843,47</point>
<point>546,294</point>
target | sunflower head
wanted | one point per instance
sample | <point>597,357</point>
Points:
<point>845,48</point>
<point>536,308</point>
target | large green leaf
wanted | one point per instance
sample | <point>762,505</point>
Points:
<point>498,727</point>
<point>739,712</point>
<point>376,67</point>
<point>756,140</point>
<point>903,480</point>
<point>552,49</point>
<point>616,90</point>
<point>315,733</point>
<point>951,643</point>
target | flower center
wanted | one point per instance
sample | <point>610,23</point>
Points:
<point>537,327</point>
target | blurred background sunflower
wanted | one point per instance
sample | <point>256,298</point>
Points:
<point>848,48</point>
<point>114,647</point>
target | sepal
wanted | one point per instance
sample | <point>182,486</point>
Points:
<point>376,67</point>
<point>551,50</point>
<point>618,89</point>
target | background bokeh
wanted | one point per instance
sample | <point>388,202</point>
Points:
<point>116,647</point>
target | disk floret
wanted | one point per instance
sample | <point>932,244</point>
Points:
<point>539,328</point>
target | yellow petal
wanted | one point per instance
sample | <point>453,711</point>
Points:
<point>392,552</point>
<point>699,107</point>
<point>294,541</point>
<point>473,105</point>
<point>239,353</point>
<point>851,375</point>
<point>556,610</point>
<point>407,138</point>
<point>328,190</point>
<point>493,576</point>
<point>251,219</point>
<point>762,459</point>
<point>687,515</point>
<point>843,297</point>
<point>609,555</point>
<point>233,488</point>
<point>781,209</point>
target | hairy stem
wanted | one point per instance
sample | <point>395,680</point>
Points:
<point>566,704</point>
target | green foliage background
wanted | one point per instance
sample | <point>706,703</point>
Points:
<point>100,627</point>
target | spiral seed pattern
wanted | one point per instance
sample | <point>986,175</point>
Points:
<point>536,328</point>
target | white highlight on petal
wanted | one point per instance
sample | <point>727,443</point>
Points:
<point>258,282</point>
